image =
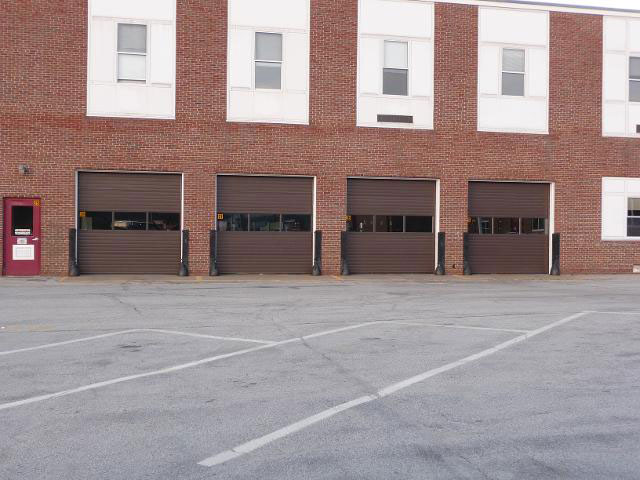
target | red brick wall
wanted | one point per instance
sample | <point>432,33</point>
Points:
<point>43,124</point>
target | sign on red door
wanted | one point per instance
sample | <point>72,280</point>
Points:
<point>21,238</point>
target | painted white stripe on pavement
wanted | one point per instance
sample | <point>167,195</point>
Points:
<point>68,342</point>
<point>214,337</point>
<point>462,327</point>
<point>300,425</point>
<point>175,368</point>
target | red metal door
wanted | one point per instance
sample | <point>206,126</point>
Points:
<point>22,236</point>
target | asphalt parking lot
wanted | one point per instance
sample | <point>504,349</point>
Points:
<point>404,377</point>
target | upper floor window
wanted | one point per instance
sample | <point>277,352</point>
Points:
<point>513,72</point>
<point>633,218</point>
<point>268,61</point>
<point>634,79</point>
<point>395,79</point>
<point>132,53</point>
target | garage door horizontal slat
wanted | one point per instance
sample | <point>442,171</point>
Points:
<point>390,252</point>
<point>107,252</point>
<point>247,194</point>
<point>390,197</point>
<point>129,192</point>
<point>521,200</point>
<point>265,252</point>
<point>509,253</point>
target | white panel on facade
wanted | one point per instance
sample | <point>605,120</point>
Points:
<point>613,185</point>
<point>512,115</point>
<point>285,14</point>
<point>488,69</point>
<point>134,9</point>
<point>240,58</point>
<point>162,54</point>
<point>368,110</point>
<point>421,69</point>
<point>296,61</point>
<point>615,76</point>
<point>614,216</point>
<point>267,105</point>
<point>296,107</point>
<point>615,33</point>
<point>507,25</point>
<point>634,117</point>
<point>633,186</point>
<point>132,99</point>
<point>102,45</point>
<point>538,72</point>
<point>240,104</point>
<point>102,98</point>
<point>370,65</point>
<point>389,17</point>
<point>614,119</point>
<point>160,101</point>
<point>634,35</point>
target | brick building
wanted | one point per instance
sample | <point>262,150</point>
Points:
<point>497,124</point>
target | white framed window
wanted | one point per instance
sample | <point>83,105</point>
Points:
<point>395,73</point>
<point>633,217</point>
<point>132,52</point>
<point>513,72</point>
<point>268,61</point>
<point>634,79</point>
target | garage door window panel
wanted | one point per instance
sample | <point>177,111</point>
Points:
<point>534,226</point>
<point>506,226</point>
<point>360,223</point>
<point>481,225</point>
<point>96,221</point>
<point>390,224</point>
<point>264,223</point>
<point>418,224</point>
<point>234,222</point>
<point>633,220</point>
<point>167,222</point>
<point>130,221</point>
<point>296,223</point>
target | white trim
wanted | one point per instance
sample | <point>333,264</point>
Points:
<point>555,7</point>
<point>314,220</point>
<point>182,217</point>
<point>552,221</point>
<point>436,222</point>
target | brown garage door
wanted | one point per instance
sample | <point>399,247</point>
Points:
<point>508,227</point>
<point>390,226</point>
<point>129,223</point>
<point>265,224</point>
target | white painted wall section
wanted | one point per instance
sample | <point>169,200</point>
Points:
<point>616,193</point>
<point>245,103</point>
<point>154,98</point>
<point>513,28</point>
<point>620,117</point>
<point>410,21</point>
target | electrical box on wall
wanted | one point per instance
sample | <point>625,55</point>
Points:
<point>636,269</point>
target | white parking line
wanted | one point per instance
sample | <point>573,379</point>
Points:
<point>68,342</point>
<point>214,337</point>
<point>135,330</point>
<point>252,445</point>
<point>175,368</point>
<point>618,313</point>
<point>463,327</point>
